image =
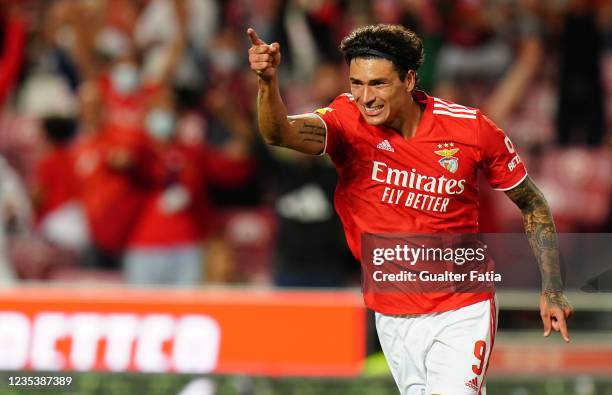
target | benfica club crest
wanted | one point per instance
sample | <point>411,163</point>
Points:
<point>448,161</point>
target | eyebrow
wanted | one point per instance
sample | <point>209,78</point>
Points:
<point>371,82</point>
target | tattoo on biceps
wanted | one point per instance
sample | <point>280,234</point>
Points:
<point>541,232</point>
<point>311,132</point>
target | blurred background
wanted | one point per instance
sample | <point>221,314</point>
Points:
<point>130,159</point>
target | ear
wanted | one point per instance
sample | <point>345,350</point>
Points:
<point>410,80</point>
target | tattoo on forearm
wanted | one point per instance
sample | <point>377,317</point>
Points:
<point>540,230</point>
<point>312,132</point>
<point>557,299</point>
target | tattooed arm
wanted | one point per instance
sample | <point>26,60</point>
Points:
<point>304,133</point>
<point>540,230</point>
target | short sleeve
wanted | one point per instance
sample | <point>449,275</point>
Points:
<point>502,165</point>
<point>334,127</point>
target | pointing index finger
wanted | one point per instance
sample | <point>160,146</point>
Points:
<point>255,40</point>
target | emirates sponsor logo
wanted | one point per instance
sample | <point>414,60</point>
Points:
<point>413,180</point>
<point>404,188</point>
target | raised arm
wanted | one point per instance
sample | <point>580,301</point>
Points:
<point>304,133</point>
<point>178,43</point>
<point>542,235</point>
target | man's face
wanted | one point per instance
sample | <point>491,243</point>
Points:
<point>380,95</point>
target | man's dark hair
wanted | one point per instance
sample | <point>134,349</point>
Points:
<point>395,43</point>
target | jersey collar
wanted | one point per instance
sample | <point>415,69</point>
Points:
<point>426,121</point>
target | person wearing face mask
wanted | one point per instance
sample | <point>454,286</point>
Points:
<point>165,246</point>
<point>125,78</point>
<point>136,76</point>
<point>125,94</point>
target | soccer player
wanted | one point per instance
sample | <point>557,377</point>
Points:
<point>382,133</point>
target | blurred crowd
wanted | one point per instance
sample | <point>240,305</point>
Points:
<point>129,151</point>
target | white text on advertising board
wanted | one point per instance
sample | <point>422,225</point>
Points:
<point>114,342</point>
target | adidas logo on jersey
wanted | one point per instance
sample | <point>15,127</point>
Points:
<point>385,145</point>
<point>472,384</point>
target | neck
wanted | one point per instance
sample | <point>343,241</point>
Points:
<point>408,121</point>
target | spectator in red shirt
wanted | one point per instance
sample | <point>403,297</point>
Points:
<point>125,90</point>
<point>54,183</point>
<point>165,246</point>
<point>135,77</point>
<point>55,192</point>
<point>111,167</point>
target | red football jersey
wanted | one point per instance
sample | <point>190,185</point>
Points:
<point>425,184</point>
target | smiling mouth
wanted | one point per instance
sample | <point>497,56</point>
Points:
<point>372,110</point>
